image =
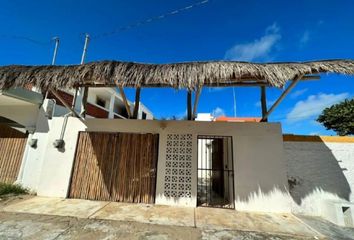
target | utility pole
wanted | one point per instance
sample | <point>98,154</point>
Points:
<point>87,39</point>
<point>56,46</point>
<point>56,39</point>
<point>83,56</point>
<point>84,90</point>
<point>234,95</point>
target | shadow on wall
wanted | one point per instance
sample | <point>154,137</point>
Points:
<point>42,125</point>
<point>312,168</point>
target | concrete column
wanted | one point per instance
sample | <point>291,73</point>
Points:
<point>78,100</point>
<point>111,107</point>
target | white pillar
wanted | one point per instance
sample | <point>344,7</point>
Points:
<point>111,107</point>
<point>78,101</point>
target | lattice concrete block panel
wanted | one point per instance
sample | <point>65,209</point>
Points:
<point>176,165</point>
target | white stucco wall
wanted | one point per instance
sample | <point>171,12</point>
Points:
<point>260,170</point>
<point>322,172</point>
<point>45,169</point>
<point>33,157</point>
<point>57,166</point>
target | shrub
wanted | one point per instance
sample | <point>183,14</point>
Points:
<point>7,188</point>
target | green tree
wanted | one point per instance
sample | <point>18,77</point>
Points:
<point>339,118</point>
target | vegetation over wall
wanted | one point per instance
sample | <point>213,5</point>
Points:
<point>339,118</point>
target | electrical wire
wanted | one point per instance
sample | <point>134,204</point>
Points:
<point>32,40</point>
<point>149,20</point>
<point>121,29</point>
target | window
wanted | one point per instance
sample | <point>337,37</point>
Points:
<point>101,102</point>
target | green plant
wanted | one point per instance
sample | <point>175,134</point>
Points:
<point>7,188</point>
<point>339,117</point>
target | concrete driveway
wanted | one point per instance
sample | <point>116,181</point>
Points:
<point>54,218</point>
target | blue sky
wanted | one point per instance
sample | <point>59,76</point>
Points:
<point>258,31</point>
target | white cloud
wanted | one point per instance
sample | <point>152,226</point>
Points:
<point>305,38</point>
<point>259,49</point>
<point>217,112</point>
<point>313,106</point>
<point>298,93</point>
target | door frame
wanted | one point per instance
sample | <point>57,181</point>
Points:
<point>231,171</point>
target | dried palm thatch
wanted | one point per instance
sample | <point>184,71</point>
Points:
<point>177,75</point>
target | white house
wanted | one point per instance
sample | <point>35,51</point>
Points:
<point>246,166</point>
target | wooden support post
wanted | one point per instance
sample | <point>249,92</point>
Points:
<point>64,103</point>
<point>282,96</point>
<point>84,102</point>
<point>137,103</point>
<point>127,107</point>
<point>264,103</point>
<point>196,101</point>
<point>189,105</point>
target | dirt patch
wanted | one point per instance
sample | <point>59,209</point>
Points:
<point>9,199</point>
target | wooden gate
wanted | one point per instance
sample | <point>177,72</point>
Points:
<point>12,146</point>
<point>115,167</point>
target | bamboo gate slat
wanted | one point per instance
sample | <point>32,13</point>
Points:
<point>12,145</point>
<point>115,167</point>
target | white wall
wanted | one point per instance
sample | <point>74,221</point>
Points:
<point>44,168</point>
<point>261,182</point>
<point>322,172</point>
<point>33,157</point>
<point>260,170</point>
<point>57,166</point>
<point>204,157</point>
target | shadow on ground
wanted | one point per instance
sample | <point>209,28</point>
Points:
<point>30,226</point>
<point>328,229</point>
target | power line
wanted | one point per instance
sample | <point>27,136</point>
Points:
<point>32,40</point>
<point>121,29</point>
<point>149,20</point>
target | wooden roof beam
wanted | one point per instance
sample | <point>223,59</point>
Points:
<point>230,83</point>
<point>264,103</point>
<point>189,105</point>
<point>57,95</point>
<point>196,101</point>
<point>282,96</point>
<point>125,101</point>
<point>136,103</point>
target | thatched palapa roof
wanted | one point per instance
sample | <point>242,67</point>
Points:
<point>177,75</point>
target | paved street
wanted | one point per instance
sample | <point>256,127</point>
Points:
<point>34,226</point>
<point>53,218</point>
